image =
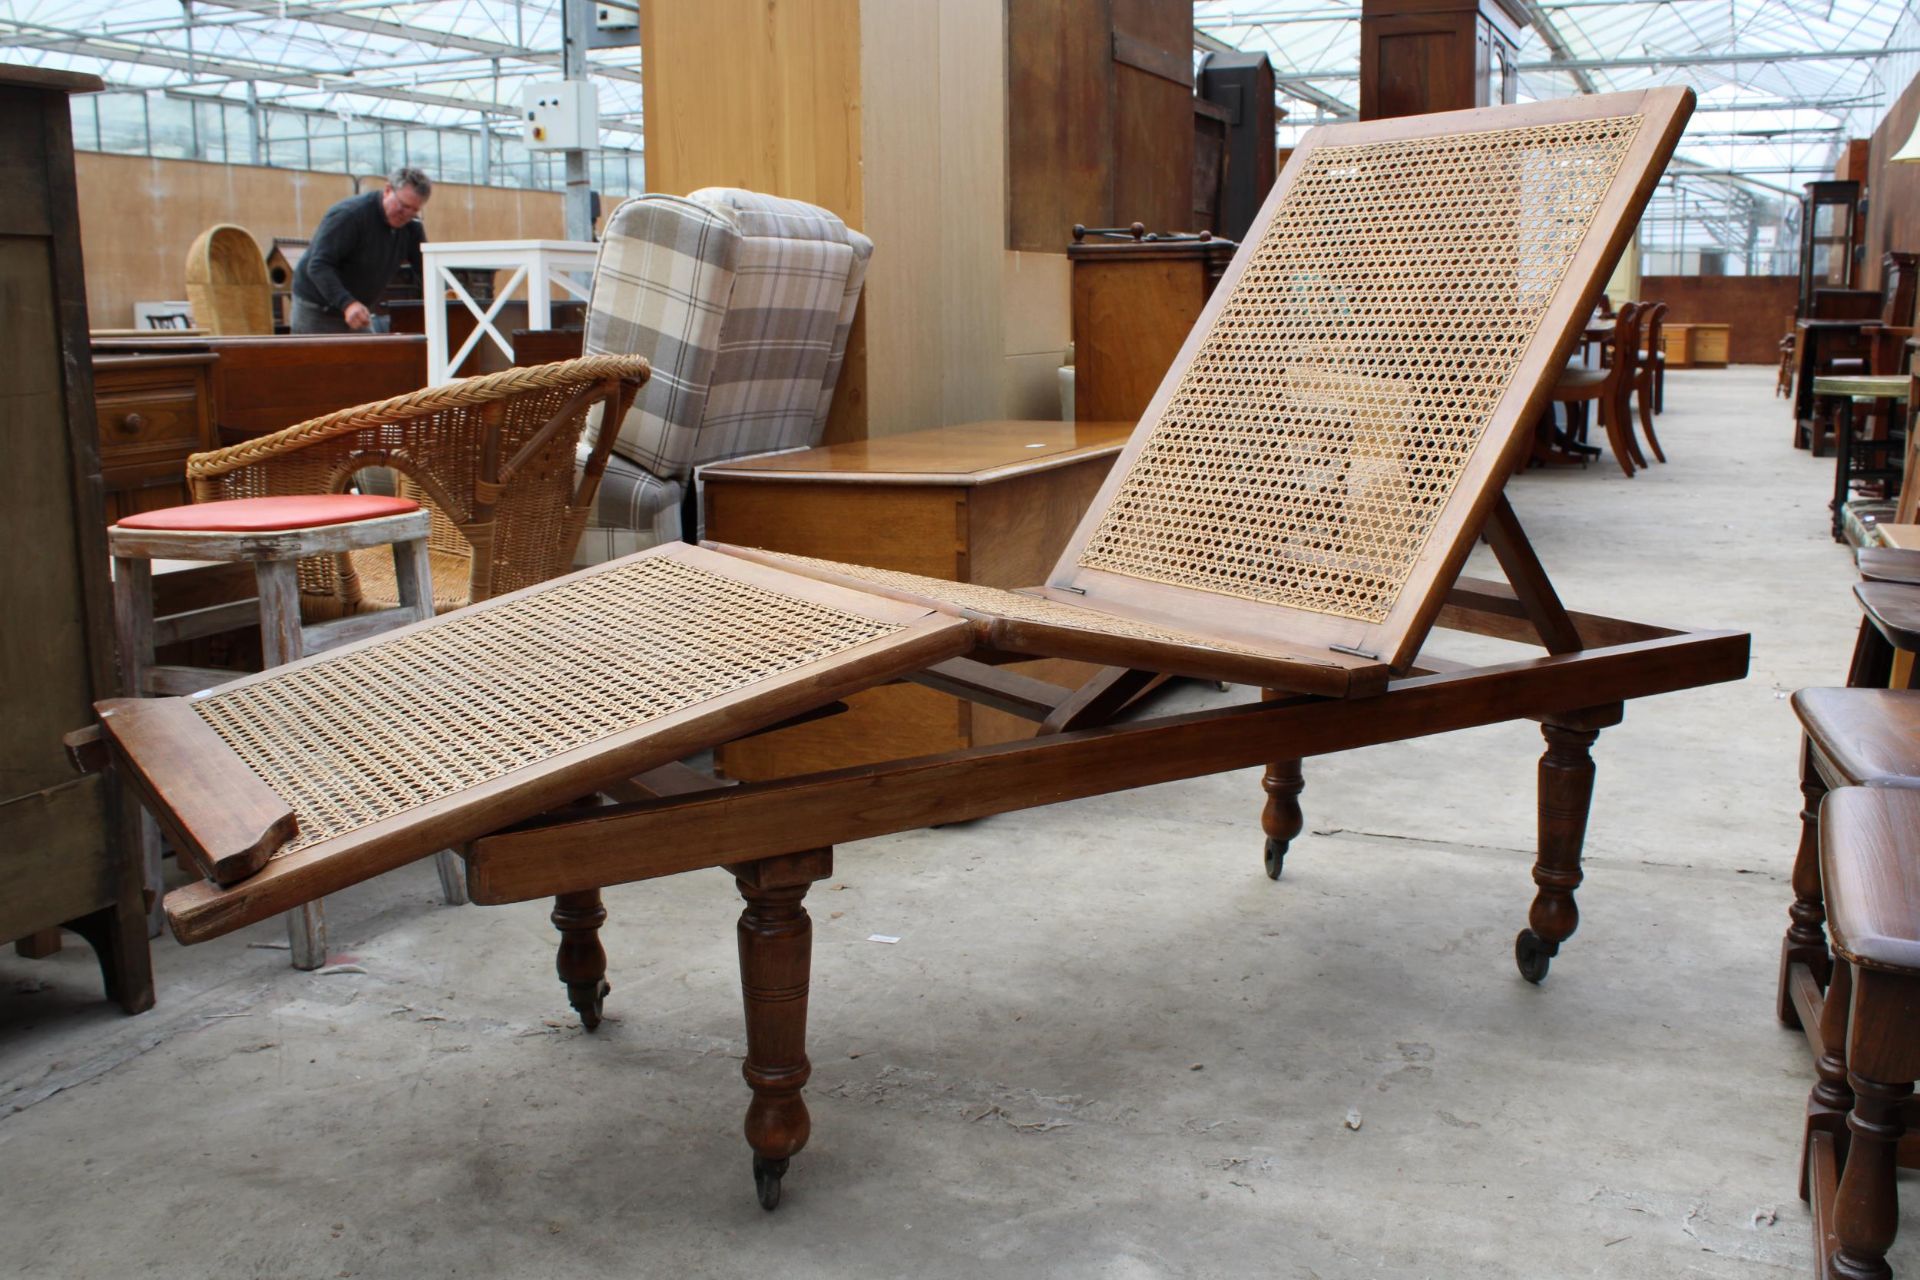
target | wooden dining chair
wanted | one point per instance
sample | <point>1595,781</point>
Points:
<point>1649,371</point>
<point>1609,387</point>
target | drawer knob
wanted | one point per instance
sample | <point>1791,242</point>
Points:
<point>132,423</point>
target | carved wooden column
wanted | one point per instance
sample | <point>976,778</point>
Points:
<point>776,959</point>
<point>1566,793</point>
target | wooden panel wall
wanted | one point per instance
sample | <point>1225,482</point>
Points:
<point>1153,113</point>
<point>1893,207</point>
<point>138,216</point>
<point>893,114</point>
<point>756,94</point>
<point>766,97</point>
<point>1759,309</point>
<point>1100,117</point>
<point>933,153</point>
<point>1059,144</point>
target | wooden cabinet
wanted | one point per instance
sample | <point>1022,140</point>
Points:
<point>152,413</point>
<point>1829,237</point>
<point>1693,345</point>
<point>67,853</point>
<point>1418,56</point>
<point>986,502</point>
<point>1134,302</point>
<point>1099,117</point>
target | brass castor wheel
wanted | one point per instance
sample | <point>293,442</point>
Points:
<point>586,999</point>
<point>766,1181</point>
<point>1533,955</point>
<point>1276,857</point>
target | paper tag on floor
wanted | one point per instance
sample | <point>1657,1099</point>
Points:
<point>880,937</point>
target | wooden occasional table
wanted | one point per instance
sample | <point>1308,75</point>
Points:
<point>539,265</point>
<point>986,502</point>
<point>1815,342</point>
<point>1845,394</point>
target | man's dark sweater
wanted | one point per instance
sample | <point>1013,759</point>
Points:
<point>355,254</point>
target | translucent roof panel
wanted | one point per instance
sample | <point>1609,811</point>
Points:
<point>1782,83</point>
<point>436,62</point>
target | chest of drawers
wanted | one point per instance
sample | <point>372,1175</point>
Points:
<point>153,411</point>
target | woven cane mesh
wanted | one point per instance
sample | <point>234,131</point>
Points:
<point>1313,442</point>
<point>993,602</point>
<point>384,728</point>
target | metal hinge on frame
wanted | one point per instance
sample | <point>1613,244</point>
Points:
<point>1353,652</point>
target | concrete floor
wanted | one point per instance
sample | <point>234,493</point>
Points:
<point>1105,1045</point>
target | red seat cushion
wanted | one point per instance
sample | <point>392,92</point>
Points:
<point>266,515</point>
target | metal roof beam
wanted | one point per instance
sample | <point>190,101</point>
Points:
<point>1557,45</point>
<point>1320,98</point>
<point>1301,77</point>
<point>1328,14</point>
<point>1715,59</point>
<point>1212,22</point>
<point>240,72</point>
<point>1831,106</point>
<point>325,17</point>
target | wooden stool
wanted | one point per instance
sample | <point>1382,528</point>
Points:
<point>1870,863</point>
<point>1855,737</point>
<point>273,535</point>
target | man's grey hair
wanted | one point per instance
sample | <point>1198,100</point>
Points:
<point>408,176</point>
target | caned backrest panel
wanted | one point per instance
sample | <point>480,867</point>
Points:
<point>1365,362</point>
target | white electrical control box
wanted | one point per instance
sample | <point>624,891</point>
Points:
<point>616,16</point>
<point>561,115</point>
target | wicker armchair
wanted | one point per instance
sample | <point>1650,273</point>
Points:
<point>491,458</point>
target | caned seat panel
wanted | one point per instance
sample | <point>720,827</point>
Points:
<point>441,732</point>
<point>365,736</point>
<point>1345,400</point>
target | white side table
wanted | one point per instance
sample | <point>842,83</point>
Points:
<point>536,264</point>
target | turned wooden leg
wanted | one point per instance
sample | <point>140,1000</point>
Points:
<point>1566,792</point>
<point>1831,1097</point>
<point>1883,1060</point>
<point>1806,940</point>
<point>1281,818</point>
<point>1866,1212</point>
<point>581,961</point>
<point>776,956</point>
<point>1872,664</point>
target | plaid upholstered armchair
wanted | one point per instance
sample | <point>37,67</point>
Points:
<point>742,303</point>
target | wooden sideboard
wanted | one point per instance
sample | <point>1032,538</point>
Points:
<point>261,384</point>
<point>986,502</point>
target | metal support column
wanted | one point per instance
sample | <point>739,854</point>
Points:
<point>573,65</point>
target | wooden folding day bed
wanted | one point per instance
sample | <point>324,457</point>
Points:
<point>1292,513</point>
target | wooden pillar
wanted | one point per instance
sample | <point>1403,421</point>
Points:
<point>1418,56</point>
